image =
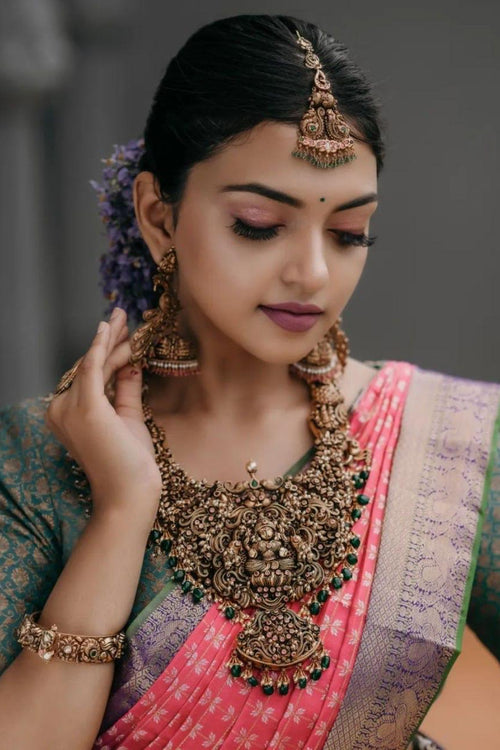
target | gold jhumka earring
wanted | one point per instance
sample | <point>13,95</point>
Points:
<point>327,359</point>
<point>157,345</point>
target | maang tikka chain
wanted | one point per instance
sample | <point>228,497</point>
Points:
<point>324,137</point>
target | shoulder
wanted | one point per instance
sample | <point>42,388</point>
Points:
<point>25,418</point>
<point>461,384</point>
<point>356,378</point>
<point>34,466</point>
<point>23,436</point>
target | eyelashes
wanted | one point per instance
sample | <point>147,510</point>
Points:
<point>253,233</point>
<point>346,239</point>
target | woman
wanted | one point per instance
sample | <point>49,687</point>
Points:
<point>321,609</point>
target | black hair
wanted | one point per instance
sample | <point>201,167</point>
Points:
<point>237,72</point>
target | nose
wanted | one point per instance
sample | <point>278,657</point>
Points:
<point>305,265</point>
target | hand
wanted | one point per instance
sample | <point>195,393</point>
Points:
<point>111,443</point>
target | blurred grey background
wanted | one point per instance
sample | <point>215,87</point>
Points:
<point>77,77</point>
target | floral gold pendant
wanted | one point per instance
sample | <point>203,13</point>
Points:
<point>273,643</point>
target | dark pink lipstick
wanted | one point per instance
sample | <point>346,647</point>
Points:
<point>293,316</point>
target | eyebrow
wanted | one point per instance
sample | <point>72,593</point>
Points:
<point>277,195</point>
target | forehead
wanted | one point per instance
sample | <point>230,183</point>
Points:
<point>264,154</point>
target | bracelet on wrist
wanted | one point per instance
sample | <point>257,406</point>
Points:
<point>49,643</point>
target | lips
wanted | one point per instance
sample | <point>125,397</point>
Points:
<point>294,307</point>
<point>293,316</point>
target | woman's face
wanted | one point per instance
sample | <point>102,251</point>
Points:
<point>258,227</point>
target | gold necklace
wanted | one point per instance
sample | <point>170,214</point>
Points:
<point>259,545</point>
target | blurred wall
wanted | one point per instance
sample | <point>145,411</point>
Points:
<point>77,77</point>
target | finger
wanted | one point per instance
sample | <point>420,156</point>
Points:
<point>128,392</point>
<point>118,325</point>
<point>117,359</point>
<point>95,359</point>
<point>120,336</point>
<point>89,377</point>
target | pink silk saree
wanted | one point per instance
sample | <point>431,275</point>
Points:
<point>392,631</point>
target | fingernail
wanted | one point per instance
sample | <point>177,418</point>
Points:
<point>115,312</point>
<point>101,326</point>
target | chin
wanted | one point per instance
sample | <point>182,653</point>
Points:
<point>279,355</point>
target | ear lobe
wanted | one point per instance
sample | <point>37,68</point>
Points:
<point>154,216</point>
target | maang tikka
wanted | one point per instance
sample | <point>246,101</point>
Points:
<point>157,345</point>
<point>324,137</point>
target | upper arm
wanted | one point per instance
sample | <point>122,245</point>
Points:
<point>30,553</point>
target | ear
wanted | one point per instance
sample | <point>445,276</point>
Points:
<point>154,216</point>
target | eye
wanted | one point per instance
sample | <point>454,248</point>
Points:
<point>349,238</point>
<point>253,233</point>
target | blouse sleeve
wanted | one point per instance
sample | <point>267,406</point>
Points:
<point>30,550</point>
<point>484,609</point>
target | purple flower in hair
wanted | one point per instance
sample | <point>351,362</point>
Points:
<point>126,269</point>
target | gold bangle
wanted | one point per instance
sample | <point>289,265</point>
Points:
<point>49,642</point>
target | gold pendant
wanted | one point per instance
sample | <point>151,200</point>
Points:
<point>272,643</point>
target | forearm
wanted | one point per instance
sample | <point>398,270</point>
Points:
<point>58,705</point>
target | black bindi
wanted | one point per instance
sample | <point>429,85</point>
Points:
<point>322,200</point>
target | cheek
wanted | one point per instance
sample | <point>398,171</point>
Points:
<point>215,272</point>
<point>347,268</point>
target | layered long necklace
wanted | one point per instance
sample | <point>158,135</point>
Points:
<point>258,546</point>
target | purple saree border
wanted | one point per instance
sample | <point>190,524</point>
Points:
<point>416,607</point>
<point>150,649</point>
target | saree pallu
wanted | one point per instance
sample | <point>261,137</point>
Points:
<point>393,631</point>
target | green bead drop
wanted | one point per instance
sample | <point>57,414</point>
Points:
<point>325,661</point>
<point>363,499</point>
<point>302,683</point>
<point>236,670</point>
<point>351,558</point>
<point>314,608</point>
<point>316,674</point>
<point>267,689</point>
<point>364,474</point>
<point>347,574</point>
<point>229,612</point>
<point>166,546</point>
<point>155,535</point>
<point>198,594</point>
<point>172,562</point>
<point>253,681</point>
<point>323,595</point>
<point>358,483</point>
<point>283,689</point>
<point>337,582</point>
<point>355,541</point>
<point>179,576</point>
<point>356,513</point>
<point>187,586</point>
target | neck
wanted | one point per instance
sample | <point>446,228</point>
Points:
<point>237,388</point>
